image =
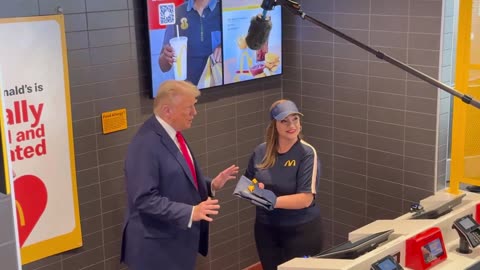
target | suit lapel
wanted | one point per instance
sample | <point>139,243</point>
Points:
<point>172,148</point>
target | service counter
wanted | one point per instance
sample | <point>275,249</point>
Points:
<point>404,228</point>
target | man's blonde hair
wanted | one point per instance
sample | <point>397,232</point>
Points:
<point>169,89</point>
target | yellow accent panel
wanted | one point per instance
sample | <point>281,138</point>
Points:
<point>6,157</point>
<point>465,161</point>
<point>472,132</point>
<point>472,168</point>
<point>247,7</point>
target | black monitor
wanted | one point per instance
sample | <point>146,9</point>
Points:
<point>352,250</point>
<point>439,210</point>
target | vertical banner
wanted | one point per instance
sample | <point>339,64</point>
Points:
<point>36,95</point>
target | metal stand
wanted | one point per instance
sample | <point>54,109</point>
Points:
<point>464,247</point>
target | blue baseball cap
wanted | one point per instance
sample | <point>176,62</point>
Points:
<point>284,109</point>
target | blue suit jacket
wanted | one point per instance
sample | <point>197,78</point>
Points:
<point>161,193</point>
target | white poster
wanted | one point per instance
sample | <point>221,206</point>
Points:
<point>35,89</point>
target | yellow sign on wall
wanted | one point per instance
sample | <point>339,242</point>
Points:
<point>37,115</point>
<point>114,121</point>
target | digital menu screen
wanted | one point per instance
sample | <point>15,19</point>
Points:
<point>185,42</point>
<point>204,42</point>
<point>240,62</point>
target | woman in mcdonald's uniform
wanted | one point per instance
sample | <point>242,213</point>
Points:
<point>289,167</point>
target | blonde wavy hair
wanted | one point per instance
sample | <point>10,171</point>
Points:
<point>171,88</point>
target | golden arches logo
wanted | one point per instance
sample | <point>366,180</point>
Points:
<point>290,163</point>
<point>21,215</point>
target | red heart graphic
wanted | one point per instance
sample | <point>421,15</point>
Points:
<point>31,199</point>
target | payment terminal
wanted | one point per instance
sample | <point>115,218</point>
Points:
<point>469,232</point>
<point>386,263</point>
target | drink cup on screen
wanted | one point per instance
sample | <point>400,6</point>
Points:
<point>179,45</point>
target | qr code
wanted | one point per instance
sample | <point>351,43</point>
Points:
<point>167,13</point>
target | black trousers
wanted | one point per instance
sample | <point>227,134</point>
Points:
<point>279,244</point>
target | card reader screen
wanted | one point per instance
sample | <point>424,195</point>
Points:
<point>466,223</point>
<point>387,264</point>
<point>432,250</point>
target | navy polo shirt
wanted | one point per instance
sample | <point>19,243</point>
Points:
<point>203,33</point>
<point>296,171</point>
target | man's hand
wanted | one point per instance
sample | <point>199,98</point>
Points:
<point>207,207</point>
<point>227,174</point>
<point>167,57</point>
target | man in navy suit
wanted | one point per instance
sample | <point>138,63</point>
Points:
<point>168,204</point>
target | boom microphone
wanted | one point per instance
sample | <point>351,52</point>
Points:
<point>268,5</point>
<point>258,31</point>
<point>260,26</point>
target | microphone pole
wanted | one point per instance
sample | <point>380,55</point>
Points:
<point>295,8</point>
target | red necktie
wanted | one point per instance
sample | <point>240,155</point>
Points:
<point>183,148</point>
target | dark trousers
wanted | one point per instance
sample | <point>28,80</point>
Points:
<point>279,244</point>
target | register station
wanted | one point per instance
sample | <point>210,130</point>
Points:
<point>444,235</point>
